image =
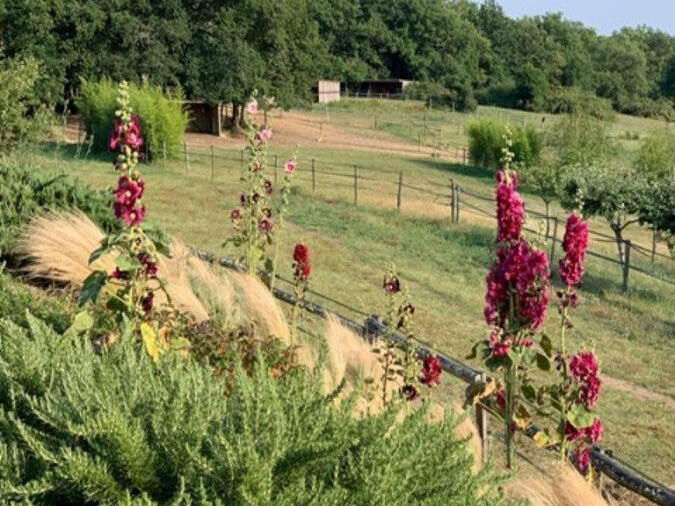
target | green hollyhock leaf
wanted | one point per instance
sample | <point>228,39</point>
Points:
<point>92,287</point>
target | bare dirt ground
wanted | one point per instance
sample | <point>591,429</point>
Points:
<point>637,391</point>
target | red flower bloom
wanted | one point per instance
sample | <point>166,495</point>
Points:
<point>119,274</point>
<point>572,433</point>
<point>131,137</point>
<point>575,243</point>
<point>582,458</point>
<point>590,391</point>
<point>303,268</point>
<point>501,398</point>
<point>131,216</point>
<point>235,214</point>
<point>500,347</point>
<point>265,225</point>
<point>431,371</point>
<point>392,285</point>
<point>148,302</point>
<point>594,432</point>
<point>584,364</point>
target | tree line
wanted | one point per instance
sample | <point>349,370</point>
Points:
<point>224,50</point>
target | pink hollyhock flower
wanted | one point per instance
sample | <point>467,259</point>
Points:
<point>289,167</point>
<point>431,371</point>
<point>149,264</point>
<point>119,274</point>
<point>252,107</point>
<point>115,136</point>
<point>594,432</point>
<point>129,191</point>
<point>583,365</point>
<point>510,208</point>
<point>500,347</point>
<point>131,215</point>
<point>131,137</point>
<point>575,243</point>
<point>392,285</point>
<point>235,214</point>
<point>264,135</point>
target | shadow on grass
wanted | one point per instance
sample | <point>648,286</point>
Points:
<point>456,168</point>
<point>72,152</point>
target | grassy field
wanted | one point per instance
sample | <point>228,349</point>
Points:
<point>444,265</point>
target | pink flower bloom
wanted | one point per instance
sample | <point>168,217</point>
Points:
<point>264,135</point>
<point>392,285</point>
<point>501,398</point>
<point>302,267</point>
<point>289,167</point>
<point>119,274</point>
<point>590,391</point>
<point>510,208</point>
<point>131,215</point>
<point>235,214</point>
<point>265,225</point>
<point>500,347</point>
<point>431,371</point>
<point>129,191</point>
<point>594,432</point>
<point>582,458</point>
<point>252,107</point>
<point>575,243</point>
<point>131,137</point>
<point>583,365</point>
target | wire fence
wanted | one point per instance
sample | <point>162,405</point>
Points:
<point>376,185</point>
<point>372,328</point>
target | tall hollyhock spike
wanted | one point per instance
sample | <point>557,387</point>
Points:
<point>575,242</point>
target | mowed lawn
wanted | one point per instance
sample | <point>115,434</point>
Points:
<point>444,266</point>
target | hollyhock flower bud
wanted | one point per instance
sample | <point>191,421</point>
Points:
<point>289,167</point>
<point>235,214</point>
<point>267,212</point>
<point>264,135</point>
<point>575,243</point>
<point>148,302</point>
<point>119,274</point>
<point>500,398</point>
<point>572,433</point>
<point>267,186</point>
<point>301,253</point>
<point>431,371</point>
<point>500,348</point>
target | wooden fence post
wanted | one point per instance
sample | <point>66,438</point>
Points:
<point>400,190</point>
<point>356,185</point>
<point>554,239</point>
<point>463,156</point>
<point>276,170</point>
<point>213,162</point>
<point>187,157</point>
<point>313,174</point>
<point>452,200</point>
<point>164,154</point>
<point>482,425</point>
<point>653,244</point>
<point>457,199</point>
<point>626,264</point>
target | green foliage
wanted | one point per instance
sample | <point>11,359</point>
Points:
<point>116,428</point>
<point>21,121</point>
<point>580,140</point>
<point>162,118</point>
<point>656,157</point>
<point>25,192</point>
<point>486,142</point>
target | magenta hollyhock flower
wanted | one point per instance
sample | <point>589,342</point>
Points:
<point>500,347</point>
<point>410,393</point>
<point>303,267</point>
<point>129,191</point>
<point>131,215</point>
<point>431,371</point>
<point>264,135</point>
<point>149,265</point>
<point>235,214</point>
<point>572,433</point>
<point>575,242</point>
<point>583,365</point>
<point>582,458</point>
<point>131,137</point>
<point>500,398</point>
<point>120,274</point>
<point>590,391</point>
<point>594,432</point>
<point>252,107</point>
<point>510,208</point>
<point>115,136</point>
<point>289,167</point>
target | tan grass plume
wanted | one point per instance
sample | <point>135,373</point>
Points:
<point>563,486</point>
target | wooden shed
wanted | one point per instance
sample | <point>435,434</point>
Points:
<point>204,116</point>
<point>328,91</point>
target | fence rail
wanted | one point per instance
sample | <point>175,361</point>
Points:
<point>602,459</point>
<point>457,198</point>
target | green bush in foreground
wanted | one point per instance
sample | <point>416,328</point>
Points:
<point>81,428</point>
<point>486,142</point>
<point>162,118</point>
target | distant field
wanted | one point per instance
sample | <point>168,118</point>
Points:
<point>443,264</point>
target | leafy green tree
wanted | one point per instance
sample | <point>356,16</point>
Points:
<point>656,156</point>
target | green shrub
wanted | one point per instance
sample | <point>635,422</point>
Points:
<point>115,428</point>
<point>25,192</point>
<point>162,118</point>
<point>486,141</point>
<point>568,100</point>
<point>21,119</point>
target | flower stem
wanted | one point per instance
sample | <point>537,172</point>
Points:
<point>563,400</point>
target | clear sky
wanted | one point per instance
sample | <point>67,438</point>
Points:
<point>603,15</point>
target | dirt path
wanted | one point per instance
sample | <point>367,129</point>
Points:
<point>637,391</point>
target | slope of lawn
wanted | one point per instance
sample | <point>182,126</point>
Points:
<point>444,265</point>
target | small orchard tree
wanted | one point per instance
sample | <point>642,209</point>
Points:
<point>614,194</point>
<point>657,209</point>
<point>545,179</point>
